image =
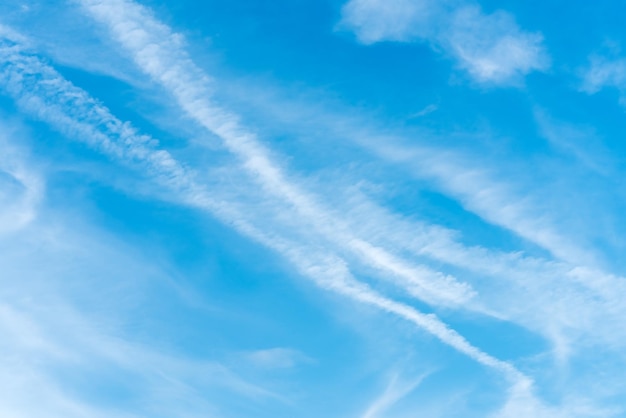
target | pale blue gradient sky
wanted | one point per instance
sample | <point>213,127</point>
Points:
<point>342,208</point>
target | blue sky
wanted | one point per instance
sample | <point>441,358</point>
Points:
<point>299,208</point>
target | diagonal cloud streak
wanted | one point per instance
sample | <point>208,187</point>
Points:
<point>42,92</point>
<point>159,53</point>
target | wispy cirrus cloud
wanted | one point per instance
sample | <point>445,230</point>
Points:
<point>574,269</point>
<point>339,251</point>
<point>366,220</point>
<point>49,97</point>
<point>158,51</point>
<point>394,392</point>
<point>501,196</point>
<point>490,47</point>
<point>495,201</point>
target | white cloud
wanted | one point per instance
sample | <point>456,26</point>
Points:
<point>384,20</point>
<point>490,47</point>
<point>604,72</point>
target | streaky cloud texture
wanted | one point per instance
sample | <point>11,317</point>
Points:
<point>328,270</point>
<point>233,209</point>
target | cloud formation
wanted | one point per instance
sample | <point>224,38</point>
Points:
<point>481,250</point>
<point>605,72</point>
<point>490,47</point>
